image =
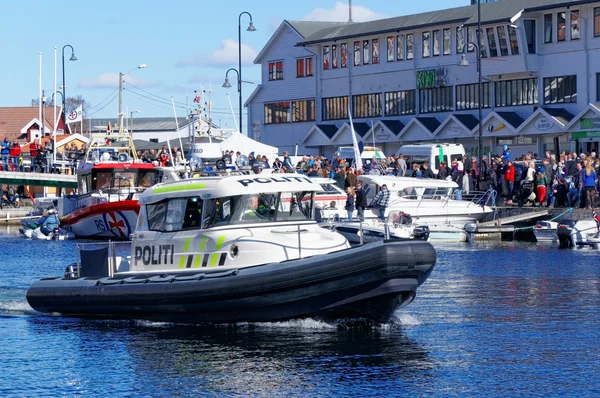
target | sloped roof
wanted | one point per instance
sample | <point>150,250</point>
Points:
<point>328,129</point>
<point>13,119</point>
<point>395,126</point>
<point>490,13</point>
<point>430,123</point>
<point>307,28</point>
<point>512,118</point>
<point>469,121</point>
<point>361,128</point>
<point>560,114</point>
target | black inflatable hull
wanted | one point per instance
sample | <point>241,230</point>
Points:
<point>369,281</point>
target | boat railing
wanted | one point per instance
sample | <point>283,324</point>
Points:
<point>98,260</point>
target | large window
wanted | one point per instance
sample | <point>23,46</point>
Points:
<point>471,37</point>
<point>304,67</point>
<point>391,48</point>
<point>276,70</point>
<point>514,43</point>
<point>516,92</point>
<point>502,40</point>
<point>410,46</point>
<point>400,47</point>
<point>460,40</point>
<point>426,45</point>
<point>492,42</point>
<point>574,25</point>
<point>561,27</point>
<point>366,52</point>
<point>375,51</point>
<point>436,43</point>
<point>303,110</point>
<point>278,112</point>
<point>326,58</point>
<point>530,35</point>
<point>436,100</point>
<point>596,21</point>
<point>482,49</point>
<point>335,108</point>
<point>548,28</point>
<point>344,55</point>
<point>334,57</point>
<point>175,215</point>
<point>400,103</point>
<point>558,90</point>
<point>467,96</point>
<point>366,105</point>
<point>356,53</point>
<point>447,42</point>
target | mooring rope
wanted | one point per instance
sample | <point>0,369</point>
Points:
<point>569,210</point>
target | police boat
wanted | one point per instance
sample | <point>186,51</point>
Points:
<point>236,248</point>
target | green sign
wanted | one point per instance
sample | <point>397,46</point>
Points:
<point>588,124</point>
<point>426,78</point>
<point>585,134</point>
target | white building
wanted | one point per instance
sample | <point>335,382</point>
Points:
<point>540,70</point>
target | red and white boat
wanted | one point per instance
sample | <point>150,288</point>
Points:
<point>110,180</point>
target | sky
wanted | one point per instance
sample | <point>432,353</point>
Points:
<point>187,45</point>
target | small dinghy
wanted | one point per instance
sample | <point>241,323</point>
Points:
<point>232,249</point>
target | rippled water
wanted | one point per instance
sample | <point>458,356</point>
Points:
<point>493,320</point>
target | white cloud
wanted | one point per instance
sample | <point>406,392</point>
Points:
<point>339,13</point>
<point>111,80</point>
<point>226,55</point>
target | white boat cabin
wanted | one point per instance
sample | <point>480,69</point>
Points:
<point>230,221</point>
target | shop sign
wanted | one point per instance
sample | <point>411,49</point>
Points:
<point>456,130</point>
<point>382,134</point>
<point>544,124</point>
<point>589,123</point>
<point>431,78</point>
<point>585,134</point>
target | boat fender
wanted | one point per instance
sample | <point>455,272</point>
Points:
<point>109,281</point>
<point>233,272</point>
<point>134,279</point>
<point>161,279</point>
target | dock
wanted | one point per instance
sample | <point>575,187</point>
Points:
<point>38,179</point>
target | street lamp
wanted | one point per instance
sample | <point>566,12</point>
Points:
<point>141,66</point>
<point>250,28</point>
<point>465,62</point>
<point>73,58</point>
<point>226,84</point>
<point>131,121</point>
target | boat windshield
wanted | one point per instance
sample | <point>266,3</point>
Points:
<point>258,208</point>
<point>424,193</point>
<point>330,188</point>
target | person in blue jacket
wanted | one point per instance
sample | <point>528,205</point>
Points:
<point>5,154</point>
<point>505,154</point>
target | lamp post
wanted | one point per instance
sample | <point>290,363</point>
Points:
<point>64,84</point>
<point>464,62</point>
<point>226,84</point>
<point>250,28</point>
<point>141,66</point>
<point>131,121</point>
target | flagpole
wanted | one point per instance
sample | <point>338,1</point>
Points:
<point>54,105</point>
<point>40,99</point>
<point>178,135</point>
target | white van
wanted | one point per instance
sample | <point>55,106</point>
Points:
<point>367,155</point>
<point>421,153</point>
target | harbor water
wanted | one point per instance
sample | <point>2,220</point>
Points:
<point>494,319</point>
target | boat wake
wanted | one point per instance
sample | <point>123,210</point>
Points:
<point>16,307</point>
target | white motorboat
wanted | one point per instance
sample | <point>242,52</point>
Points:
<point>429,201</point>
<point>447,233</point>
<point>372,230</point>
<point>233,249</point>
<point>330,201</point>
<point>546,232</point>
<point>578,233</point>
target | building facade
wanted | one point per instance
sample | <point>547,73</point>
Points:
<point>401,80</point>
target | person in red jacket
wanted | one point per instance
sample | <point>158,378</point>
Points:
<point>33,151</point>
<point>15,152</point>
<point>509,176</point>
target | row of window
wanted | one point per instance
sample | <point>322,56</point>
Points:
<point>557,90</point>
<point>561,26</point>
<point>498,41</point>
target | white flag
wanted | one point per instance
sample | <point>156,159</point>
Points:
<point>357,158</point>
<point>76,115</point>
